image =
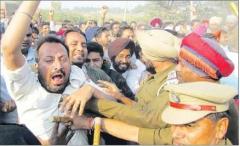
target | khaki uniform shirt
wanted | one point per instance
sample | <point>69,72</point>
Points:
<point>225,142</point>
<point>145,113</point>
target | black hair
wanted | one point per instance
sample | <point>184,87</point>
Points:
<point>35,30</point>
<point>122,29</point>
<point>50,39</point>
<point>123,23</point>
<point>210,36</point>
<point>173,32</point>
<point>45,23</point>
<point>53,32</point>
<point>95,47</point>
<point>65,22</point>
<point>93,21</point>
<point>217,116</point>
<point>74,29</point>
<point>99,31</point>
<point>114,23</point>
<point>131,46</point>
<point>137,51</point>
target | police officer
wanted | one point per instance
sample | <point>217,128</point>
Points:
<point>198,116</point>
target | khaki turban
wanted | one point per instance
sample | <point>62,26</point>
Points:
<point>158,45</point>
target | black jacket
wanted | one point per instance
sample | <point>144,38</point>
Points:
<point>119,80</point>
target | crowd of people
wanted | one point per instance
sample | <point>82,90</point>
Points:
<point>157,83</point>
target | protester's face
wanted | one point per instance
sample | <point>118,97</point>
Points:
<point>27,42</point>
<point>115,28</point>
<point>201,132</point>
<point>128,34</point>
<point>34,37</point>
<point>122,61</point>
<point>105,38</point>
<point>82,26</point>
<point>53,67</point>
<point>45,29</point>
<point>185,74</point>
<point>94,60</point>
<point>77,48</point>
<point>91,23</point>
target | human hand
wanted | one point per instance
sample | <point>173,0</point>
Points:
<point>82,122</point>
<point>76,102</point>
<point>51,12</point>
<point>133,66</point>
<point>104,10</point>
<point>7,106</point>
<point>110,88</point>
<point>60,136</point>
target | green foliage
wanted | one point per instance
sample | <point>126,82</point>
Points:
<point>167,10</point>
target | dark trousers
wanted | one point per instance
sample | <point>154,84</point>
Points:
<point>15,134</point>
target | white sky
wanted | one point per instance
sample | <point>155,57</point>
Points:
<point>72,4</point>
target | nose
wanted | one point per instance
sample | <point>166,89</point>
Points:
<point>177,131</point>
<point>57,65</point>
<point>92,64</point>
<point>80,48</point>
<point>124,60</point>
<point>26,38</point>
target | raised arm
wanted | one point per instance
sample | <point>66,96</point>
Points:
<point>103,13</point>
<point>15,34</point>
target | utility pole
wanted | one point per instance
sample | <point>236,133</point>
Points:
<point>193,13</point>
<point>125,11</point>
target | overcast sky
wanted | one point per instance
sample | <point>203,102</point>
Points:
<point>72,4</point>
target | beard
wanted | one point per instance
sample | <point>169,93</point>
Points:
<point>117,67</point>
<point>79,61</point>
<point>151,69</point>
<point>25,47</point>
<point>24,51</point>
<point>53,89</point>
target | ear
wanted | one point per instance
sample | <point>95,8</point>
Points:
<point>222,126</point>
<point>36,66</point>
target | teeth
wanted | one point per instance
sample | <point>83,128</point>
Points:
<point>57,76</point>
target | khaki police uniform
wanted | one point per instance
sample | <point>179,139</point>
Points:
<point>145,113</point>
<point>157,45</point>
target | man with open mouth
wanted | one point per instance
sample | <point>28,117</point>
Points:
<point>38,97</point>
